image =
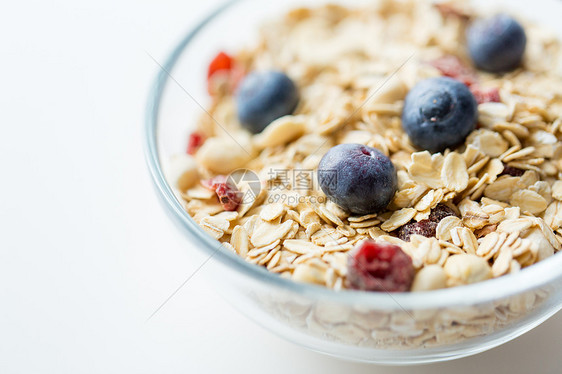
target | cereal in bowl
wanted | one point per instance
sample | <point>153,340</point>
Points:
<point>405,146</point>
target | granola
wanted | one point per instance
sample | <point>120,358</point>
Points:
<point>353,69</point>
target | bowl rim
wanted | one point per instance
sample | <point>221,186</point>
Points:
<point>535,276</point>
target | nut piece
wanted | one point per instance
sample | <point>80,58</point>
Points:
<point>466,269</point>
<point>281,131</point>
<point>182,171</point>
<point>429,278</point>
<point>223,155</point>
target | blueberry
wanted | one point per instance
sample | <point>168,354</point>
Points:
<point>496,44</point>
<point>358,178</point>
<point>263,97</point>
<point>439,113</point>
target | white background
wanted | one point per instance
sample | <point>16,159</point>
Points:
<point>86,252</point>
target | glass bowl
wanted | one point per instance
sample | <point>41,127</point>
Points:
<point>403,328</point>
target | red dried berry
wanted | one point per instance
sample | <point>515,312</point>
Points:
<point>223,75</point>
<point>194,141</point>
<point>222,61</point>
<point>380,267</point>
<point>424,227</point>
<point>483,95</point>
<point>229,197</point>
<point>452,66</point>
<point>227,192</point>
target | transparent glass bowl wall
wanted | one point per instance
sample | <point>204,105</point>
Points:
<point>371,327</point>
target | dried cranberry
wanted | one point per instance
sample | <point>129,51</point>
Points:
<point>229,197</point>
<point>482,95</point>
<point>424,227</point>
<point>227,192</point>
<point>441,211</point>
<point>510,170</point>
<point>194,141</point>
<point>222,61</point>
<point>223,75</point>
<point>380,267</point>
<point>452,66</point>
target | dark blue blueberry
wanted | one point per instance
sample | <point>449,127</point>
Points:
<point>496,44</point>
<point>358,178</point>
<point>263,97</point>
<point>439,113</point>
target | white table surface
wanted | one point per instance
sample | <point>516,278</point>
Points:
<point>86,252</point>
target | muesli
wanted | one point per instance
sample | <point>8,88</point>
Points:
<point>405,146</point>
